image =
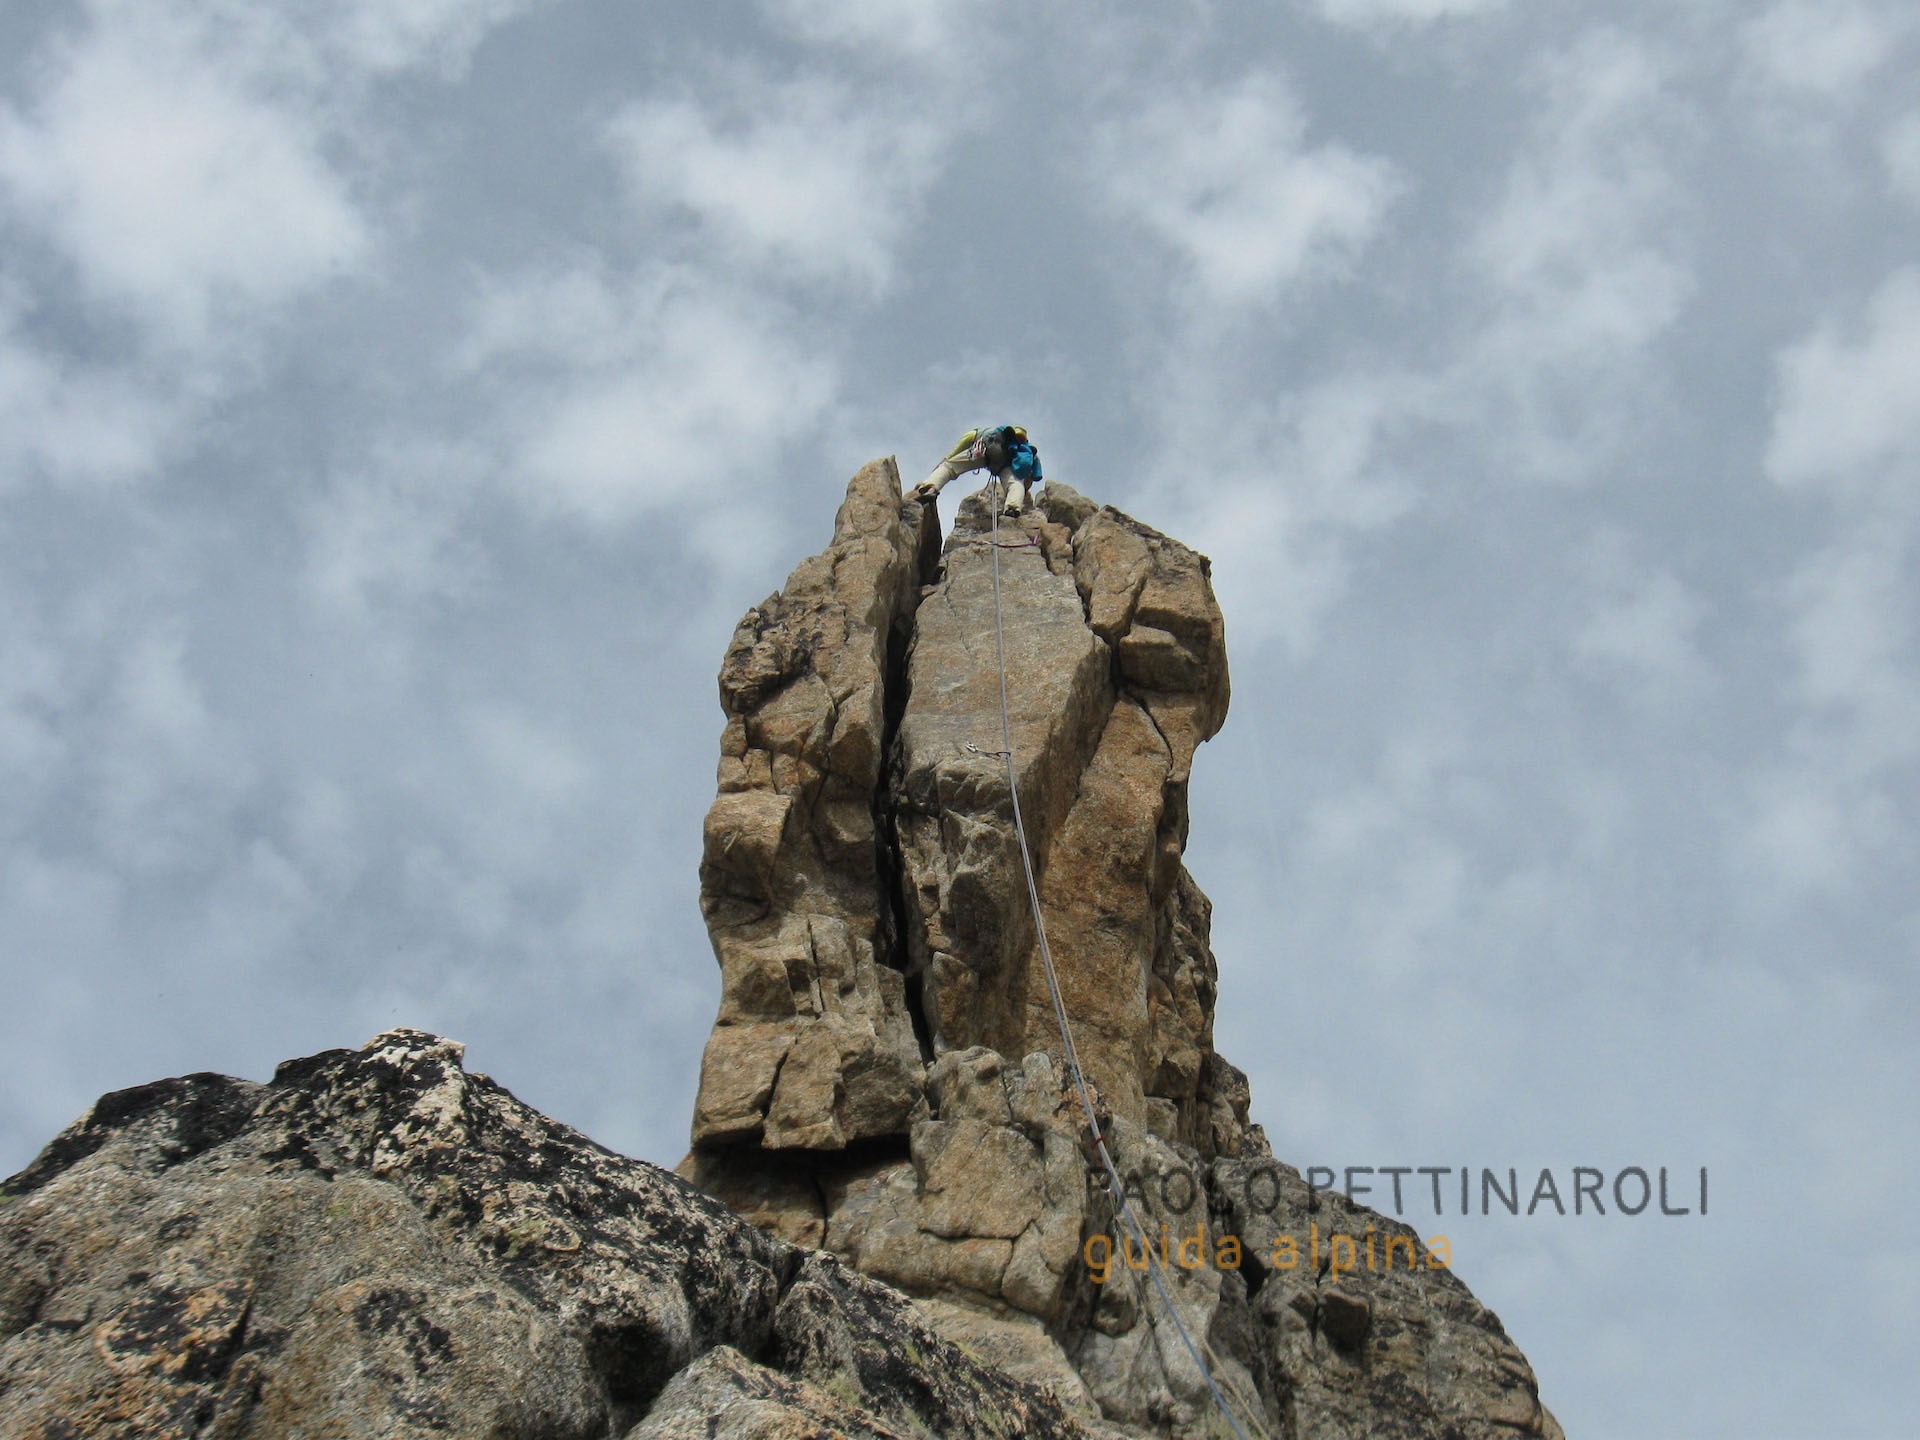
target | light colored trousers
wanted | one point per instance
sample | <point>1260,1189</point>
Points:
<point>954,466</point>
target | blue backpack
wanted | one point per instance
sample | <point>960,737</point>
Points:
<point>1024,461</point>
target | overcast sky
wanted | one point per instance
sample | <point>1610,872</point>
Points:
<point>401,399</point>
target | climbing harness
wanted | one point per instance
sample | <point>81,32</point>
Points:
<point>1072,1056</point>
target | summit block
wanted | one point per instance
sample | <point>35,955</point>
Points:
<point>885,1078</point>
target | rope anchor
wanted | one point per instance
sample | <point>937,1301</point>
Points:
<point>990,754</point>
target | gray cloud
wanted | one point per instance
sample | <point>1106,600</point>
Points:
<point>400,403</point>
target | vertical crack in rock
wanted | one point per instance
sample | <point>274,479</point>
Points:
<point>814,1047</point>
<point>890,879</point>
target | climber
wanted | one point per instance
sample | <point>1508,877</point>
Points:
<point>1003,452</point>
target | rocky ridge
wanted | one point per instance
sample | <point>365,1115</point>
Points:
<point>885,1078</point>
<point>377,1243</point>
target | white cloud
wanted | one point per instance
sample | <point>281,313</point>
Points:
<point>908,28</point>
<point>1277,574</point>
<point>314,46</point>
<point>1645,625</point>
<point>689,388</point>
<point>1225,178</point>
<point>34,750</point>
<point>1413,837</point>
<point>543,769</point>
<point>395,529</point>
<point>168,770</point>
<point>581,315</point>
<point>1283,488</point>
<point>176,193</point>
<point>1548,251</point>
<point>1544,363</point>
<point>1852,630</point>
<point>803,175</point>
<point>1846,426</point>
<point>1574,244</point>
<point>1583,263</point>
<point>1901,147</point>
<point>189,164</point>
<point>1825,47</point>
<point>324,832</point>
<point>79,422</point>
<point>1809,833</point>
<point>712,404</point>
<point>1403,12</point>
<point>1848,407</point>
<point>159,699</point>
<point>397,34</point>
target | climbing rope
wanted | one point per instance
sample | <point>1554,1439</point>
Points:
<point>1005,753</point>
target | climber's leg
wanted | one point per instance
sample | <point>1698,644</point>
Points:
<point>943,475</point>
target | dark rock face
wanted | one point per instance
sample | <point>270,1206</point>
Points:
<point>378,1243</point>
<point>885,1078</point>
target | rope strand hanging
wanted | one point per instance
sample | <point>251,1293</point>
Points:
<point>1099,1139</point>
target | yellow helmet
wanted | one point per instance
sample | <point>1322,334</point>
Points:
<point>1019,432</point>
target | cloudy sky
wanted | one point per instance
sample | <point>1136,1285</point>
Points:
<point>400,400</point>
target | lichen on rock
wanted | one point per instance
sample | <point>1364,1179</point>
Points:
<point>379,1243</point>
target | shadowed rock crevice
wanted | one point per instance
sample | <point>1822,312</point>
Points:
<point>891,899</point>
